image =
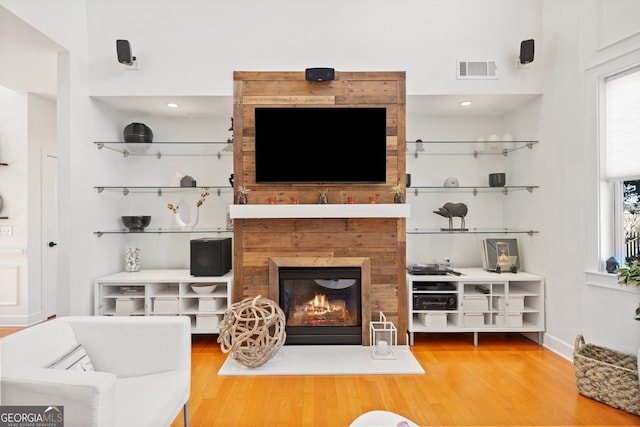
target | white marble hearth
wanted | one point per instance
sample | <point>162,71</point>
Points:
<point>381,210</point>
<point>328,360</point>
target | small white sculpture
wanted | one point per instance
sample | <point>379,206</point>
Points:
<point>451,182</point>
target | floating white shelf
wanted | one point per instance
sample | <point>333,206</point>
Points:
<point>396,210</point>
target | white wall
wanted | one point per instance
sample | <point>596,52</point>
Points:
<point>64,22</point>
<point>112,169</point>
<point>193,50</point>
<point>569,142</point>
<point>607,307</point>
<point>28,127</point>
<point>14,292</point>
<point>192,47</point>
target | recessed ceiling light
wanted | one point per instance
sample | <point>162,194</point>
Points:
<point>172,105</point>
<point>465,103</point>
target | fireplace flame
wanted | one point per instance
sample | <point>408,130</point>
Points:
<point>319,304</point>
<point>319,310</point>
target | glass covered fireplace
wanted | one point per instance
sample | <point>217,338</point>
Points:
<point>322,305</point>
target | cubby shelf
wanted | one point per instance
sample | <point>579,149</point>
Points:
<point>511,302</point>
<point>164,293</point>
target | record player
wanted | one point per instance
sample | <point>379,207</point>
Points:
<point>420,269</point>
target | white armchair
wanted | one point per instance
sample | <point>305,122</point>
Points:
<point>141,377</point>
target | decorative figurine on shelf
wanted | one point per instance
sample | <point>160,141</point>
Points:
<point>450,210</point>
<point>231,180</point>
<point>230,139</point>
<point>188,218</point>
<point>187,181</point>
<point>398,197</point>
<point>242,195</point>
<point>322,196</point>
<point>611,264</point>
<point>451,182</point>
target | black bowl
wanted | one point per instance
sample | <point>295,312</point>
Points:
<point>136,223</point>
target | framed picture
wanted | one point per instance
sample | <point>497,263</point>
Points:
<point>500,254</point>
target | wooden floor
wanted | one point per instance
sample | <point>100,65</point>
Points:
<point>506,381</point>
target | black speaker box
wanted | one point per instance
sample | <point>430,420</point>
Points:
<point>124,52</point>
<point>526,51</point>
<point>319,74</point>
<point>211,256</point>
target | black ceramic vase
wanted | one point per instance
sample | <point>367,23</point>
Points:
<point>137,132</point>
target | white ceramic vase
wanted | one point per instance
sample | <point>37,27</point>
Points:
<point>191,221</point>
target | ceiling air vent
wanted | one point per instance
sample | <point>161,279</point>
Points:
<point>477,70</point>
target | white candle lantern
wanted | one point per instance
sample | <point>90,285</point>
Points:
<point>383,338</point>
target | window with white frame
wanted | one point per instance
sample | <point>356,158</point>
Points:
<point>622,121</point>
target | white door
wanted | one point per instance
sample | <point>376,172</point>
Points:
<point>49,233</point>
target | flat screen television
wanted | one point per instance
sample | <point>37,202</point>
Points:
<point>321,145</point>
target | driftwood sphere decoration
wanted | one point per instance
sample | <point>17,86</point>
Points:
<point>252,331</point>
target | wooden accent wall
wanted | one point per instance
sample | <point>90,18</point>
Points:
<point>380,239</point>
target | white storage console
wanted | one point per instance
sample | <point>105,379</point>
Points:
<point>476,301</point>
<point>165,293</point>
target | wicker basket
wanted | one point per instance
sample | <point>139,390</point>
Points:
<point>607,376</point>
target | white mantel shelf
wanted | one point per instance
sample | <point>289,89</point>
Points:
<point>395,210</point>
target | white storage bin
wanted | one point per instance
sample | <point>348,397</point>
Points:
<point>128,306</point>
<point>124,305</point>
<point>433,320</point>
<point>165,304</point>
<point>211,304</point>
<point>473,319</point>
<point>206,321</point>
<point>512,320</point>
<point>516,304</point>
<point>475,303</point>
